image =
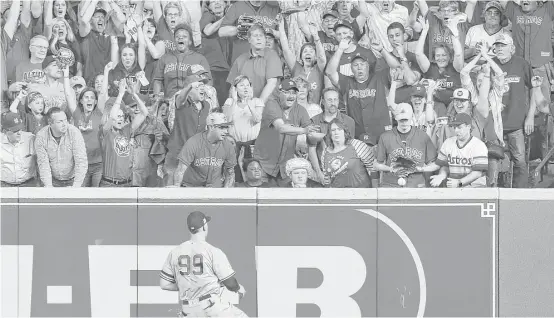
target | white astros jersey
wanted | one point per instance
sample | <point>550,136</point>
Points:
<point>462,161</point>
<point>197,268</point>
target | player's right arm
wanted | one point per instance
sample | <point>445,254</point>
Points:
<point>167,276</point>
<point>225,273</point>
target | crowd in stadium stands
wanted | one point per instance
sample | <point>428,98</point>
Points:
<point>306,93</point>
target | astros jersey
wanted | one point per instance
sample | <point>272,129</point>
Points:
<point>461,161</point>
<point>198,268</point>
<point>366,103</point>
<point>206,161</point>
<point>416,146</point>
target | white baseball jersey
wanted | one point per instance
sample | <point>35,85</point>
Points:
<point>477,33</point>
<point>473,156</point>
<point>197,268</point>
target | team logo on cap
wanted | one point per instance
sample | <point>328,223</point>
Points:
<point>460,93</point>
<point>196,68</point>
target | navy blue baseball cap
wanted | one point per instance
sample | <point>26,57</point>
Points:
<point>197,220</point>
<point>287,85</point>
<point>343,23</point>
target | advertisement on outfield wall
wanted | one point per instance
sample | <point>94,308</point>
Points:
<point>294,257</point>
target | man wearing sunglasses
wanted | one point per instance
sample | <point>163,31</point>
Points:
<point>208,159</point>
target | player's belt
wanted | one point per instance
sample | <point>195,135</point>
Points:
<point>196,301</point>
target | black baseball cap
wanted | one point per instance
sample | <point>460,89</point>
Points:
<point>343,23</point>
<point>287,85</point>
<point>333,13</point>
<point>461,118</point>
<point>359,56</point>
<point>48,60</point>
<point>98,9</point>
<point>197,220</point>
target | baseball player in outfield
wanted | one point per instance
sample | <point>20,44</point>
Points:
<point>200,272</point>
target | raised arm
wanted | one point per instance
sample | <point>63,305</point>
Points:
<point>139,118</point>
<point>483,100</point>
<point>68,91</point>
<point>14,107</point>
<point>86,13</point>
<point>48,7</point>
<point>103,96</point>
<point>290,57</point>
<point>319,49</point>
<point>410,76</point>
<point>470,9</point>
<point>458,61</point>
<point>25,16</point>
<point>392,94</point>
<point>421,58</point>
<point>157,10</point>
<point>332,68</point>
<point>114,49</point>
<point>423,7</point>
<point>141,50</point>
<point>11,22</point>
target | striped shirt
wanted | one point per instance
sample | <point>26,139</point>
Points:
<point>461,161</point>
<point>197,268</point>
<point>350,167</point>
<point>64,160</point>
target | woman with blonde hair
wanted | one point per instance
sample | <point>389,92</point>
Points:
<point>246,113</point>
<point>61,35</point>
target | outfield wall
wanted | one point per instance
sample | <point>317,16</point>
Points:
<point>310,252</point>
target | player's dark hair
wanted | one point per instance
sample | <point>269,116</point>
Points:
<point>396,25</point>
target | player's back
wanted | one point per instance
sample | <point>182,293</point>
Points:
<point>196,272</point>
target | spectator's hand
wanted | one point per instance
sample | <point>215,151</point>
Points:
<point>110,66</point>
<point>344,44</point>
<point>452,183</point>
<point>399,48</point>
<point>536,81</point>
<point>453,26</point>
<point>17,86</point>
<point>22,94</point>
<point>66,71</point>
<point>122,86</point>
<point>436,180</point>
<point>397,75</point>
<point>529,124</point>
<point>233,93</point>
<point>320,177</point>
<point>313,30</point>
<point>424,24</point>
